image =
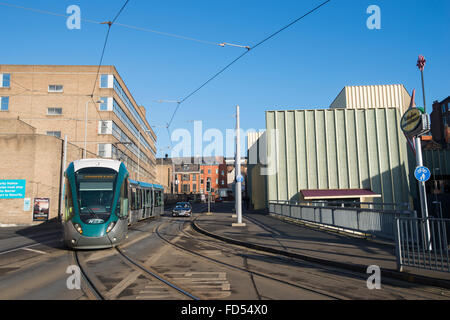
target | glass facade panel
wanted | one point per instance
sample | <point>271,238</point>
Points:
<point>127,122</point>
<point>123,96</point>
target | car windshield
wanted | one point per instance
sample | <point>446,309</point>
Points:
<point>95,194</point>
<point>183,206</point>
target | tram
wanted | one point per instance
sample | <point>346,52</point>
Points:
<point>101,202</point>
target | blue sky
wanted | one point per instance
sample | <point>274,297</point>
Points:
<point>305,66</point>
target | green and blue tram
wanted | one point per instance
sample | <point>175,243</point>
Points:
<point>101,202</point>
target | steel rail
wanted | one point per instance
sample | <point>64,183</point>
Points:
<point>90,285</point>
<point>155,275</point>
<point>255,273</point>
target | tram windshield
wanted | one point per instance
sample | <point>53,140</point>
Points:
<point>95,188</point>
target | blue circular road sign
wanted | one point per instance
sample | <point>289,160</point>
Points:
<point>422,174</point>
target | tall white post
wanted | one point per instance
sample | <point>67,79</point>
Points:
<point>422,191</point>
<point>63,169</point>
<point>239,179</point>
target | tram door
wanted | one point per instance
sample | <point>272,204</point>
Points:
<point>149,203</point>
<point>144,204</point>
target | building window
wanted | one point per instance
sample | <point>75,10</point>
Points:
<point>102,152</point>
<point>201,181</point>
<point>54,134</point>
<point>6,78</point>
<point>217,181</point>
<point>194,188</point>
<point>104,104</point>
<point>194,177</point>
<point>217,171</point>
<point>202,171</point>
<point>55,88</point>
<point>209,171</point>
<point>223,182</point>
<point>54,111</point>
<point>4,104</point>
<point>185,177</point>
<point>104,127</point>
<point>104,81</point>
<point>223,172</point>
<point>186,188</point>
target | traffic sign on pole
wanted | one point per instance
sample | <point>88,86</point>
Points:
<point>422,174</point>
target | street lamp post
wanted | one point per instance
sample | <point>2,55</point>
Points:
<point>85,126</point>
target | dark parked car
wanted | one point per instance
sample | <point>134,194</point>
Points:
<point>182,209</point>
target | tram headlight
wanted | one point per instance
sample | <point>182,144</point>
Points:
<point>110,227</point>
<point>78,228</point>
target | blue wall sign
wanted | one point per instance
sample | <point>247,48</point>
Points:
<point>422,174</point>
<point>12,189</point>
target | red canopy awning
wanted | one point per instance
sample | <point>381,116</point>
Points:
<point>338,194</point>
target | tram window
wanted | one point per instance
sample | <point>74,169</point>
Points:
<point>123,200</point>
<point>69,211</point>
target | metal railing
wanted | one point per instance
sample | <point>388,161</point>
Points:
<point>423,243</point>
<point>352,204</point>
<point>377,222</point>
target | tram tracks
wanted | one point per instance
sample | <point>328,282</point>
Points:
<point>246,269</point>
<point>92,289</point>
<point>100,285</point>
<point>156,275</point>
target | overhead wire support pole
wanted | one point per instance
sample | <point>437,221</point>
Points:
<point>238,179</point>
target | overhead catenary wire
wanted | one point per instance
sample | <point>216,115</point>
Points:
<point>168,34</point>
<point>242,55</point>
<point>109,23</point>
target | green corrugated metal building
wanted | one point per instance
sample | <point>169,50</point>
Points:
<point>338,149</point>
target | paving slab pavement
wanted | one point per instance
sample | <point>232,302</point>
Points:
<point>334,249</point>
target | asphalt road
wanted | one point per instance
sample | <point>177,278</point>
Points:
<point>167,251</point>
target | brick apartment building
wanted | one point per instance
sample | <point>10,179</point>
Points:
<point>194,174</point>
<point>440,122</point>
<point>39,106</point>
<point>60,100</point>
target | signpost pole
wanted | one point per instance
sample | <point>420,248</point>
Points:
<point>209,202</point>
<point>422,191</point>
